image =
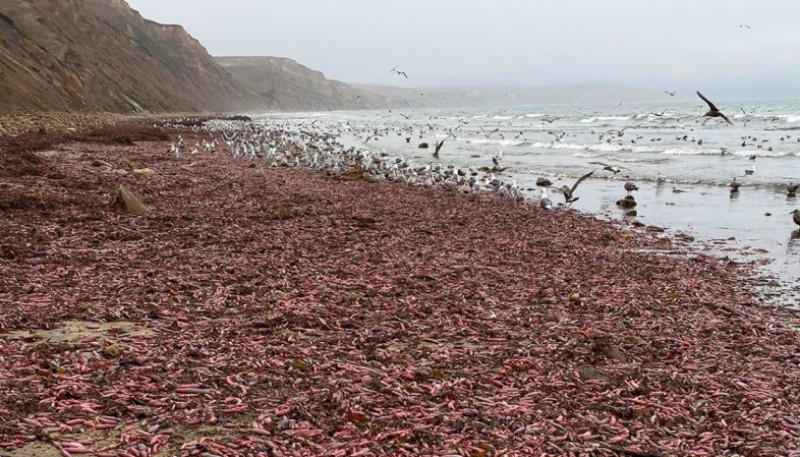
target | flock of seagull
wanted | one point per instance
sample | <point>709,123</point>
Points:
<point>291,145</point>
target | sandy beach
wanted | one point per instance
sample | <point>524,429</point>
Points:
<point>293,313</point>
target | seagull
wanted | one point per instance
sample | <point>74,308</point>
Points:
<point>175,150</point>
<point>490,133</point>
<point>630,186</point>
<point>627,203</point>
<point>671,94</point>
<point>493,182</point>
<point>735,185</point>
<point>398,72</point>
<point>796,217</point>
<point>791,189</point>
<point>407,116</point>
<point>750,171</point>
<point>569,192</point>
<point>545,201</point>
<point>712,110</point>
<point>607,167</point>
<point>496,159</point>
<point>660,179</point>
<point>742,26</point>
<point>439,145</point>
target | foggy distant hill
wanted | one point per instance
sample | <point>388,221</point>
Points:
<point>513,95</point>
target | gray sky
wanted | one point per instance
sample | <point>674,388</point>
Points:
<point>525,42</point>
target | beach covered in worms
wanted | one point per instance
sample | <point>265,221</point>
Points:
<point>284,312</point>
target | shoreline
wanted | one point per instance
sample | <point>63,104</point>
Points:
<point>295,310</point>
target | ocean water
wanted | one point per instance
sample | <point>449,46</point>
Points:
<point>697,157</point>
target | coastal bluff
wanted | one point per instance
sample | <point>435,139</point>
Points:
<point>103,56</point>
<point>285,84</point>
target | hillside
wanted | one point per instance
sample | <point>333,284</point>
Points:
<point>287,85</point>
<point>100,55</point>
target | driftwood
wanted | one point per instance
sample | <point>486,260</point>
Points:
<point>126,202</point>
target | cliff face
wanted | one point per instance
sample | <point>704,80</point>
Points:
<point>286,85</point>
<point>102,55</point>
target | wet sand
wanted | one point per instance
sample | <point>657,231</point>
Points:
<point>293,313</point>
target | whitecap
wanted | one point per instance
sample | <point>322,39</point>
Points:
<point>759,153</point>
<point>690,151</point>
<point>505,142</point>
<point>605,118</point>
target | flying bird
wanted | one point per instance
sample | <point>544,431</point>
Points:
<point>569,192</point>
<point>490,133</point>
<point>712,110</point>
<point>612,168</point>
<point>439,145</point>
<point>398,72</point>
<point>742,26</point>
<point>671,94</point>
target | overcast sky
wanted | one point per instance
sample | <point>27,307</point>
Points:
<point>527,42</point>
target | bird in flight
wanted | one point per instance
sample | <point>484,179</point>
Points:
<point>612,168</point>
<point>398,72</point>
<point>671,94</point>
<point>712,110</point>
<point>439,145</point>
<point>489,133</point>
<point>742,26</point>
<point>570,191</point>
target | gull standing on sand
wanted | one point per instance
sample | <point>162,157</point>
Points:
<point>493,182</point>
<point>712,110</point>
<point>545,201</point>
<point>175,150</point>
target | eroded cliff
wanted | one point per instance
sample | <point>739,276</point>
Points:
<point>287,85</point>
<point>100,55</point>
